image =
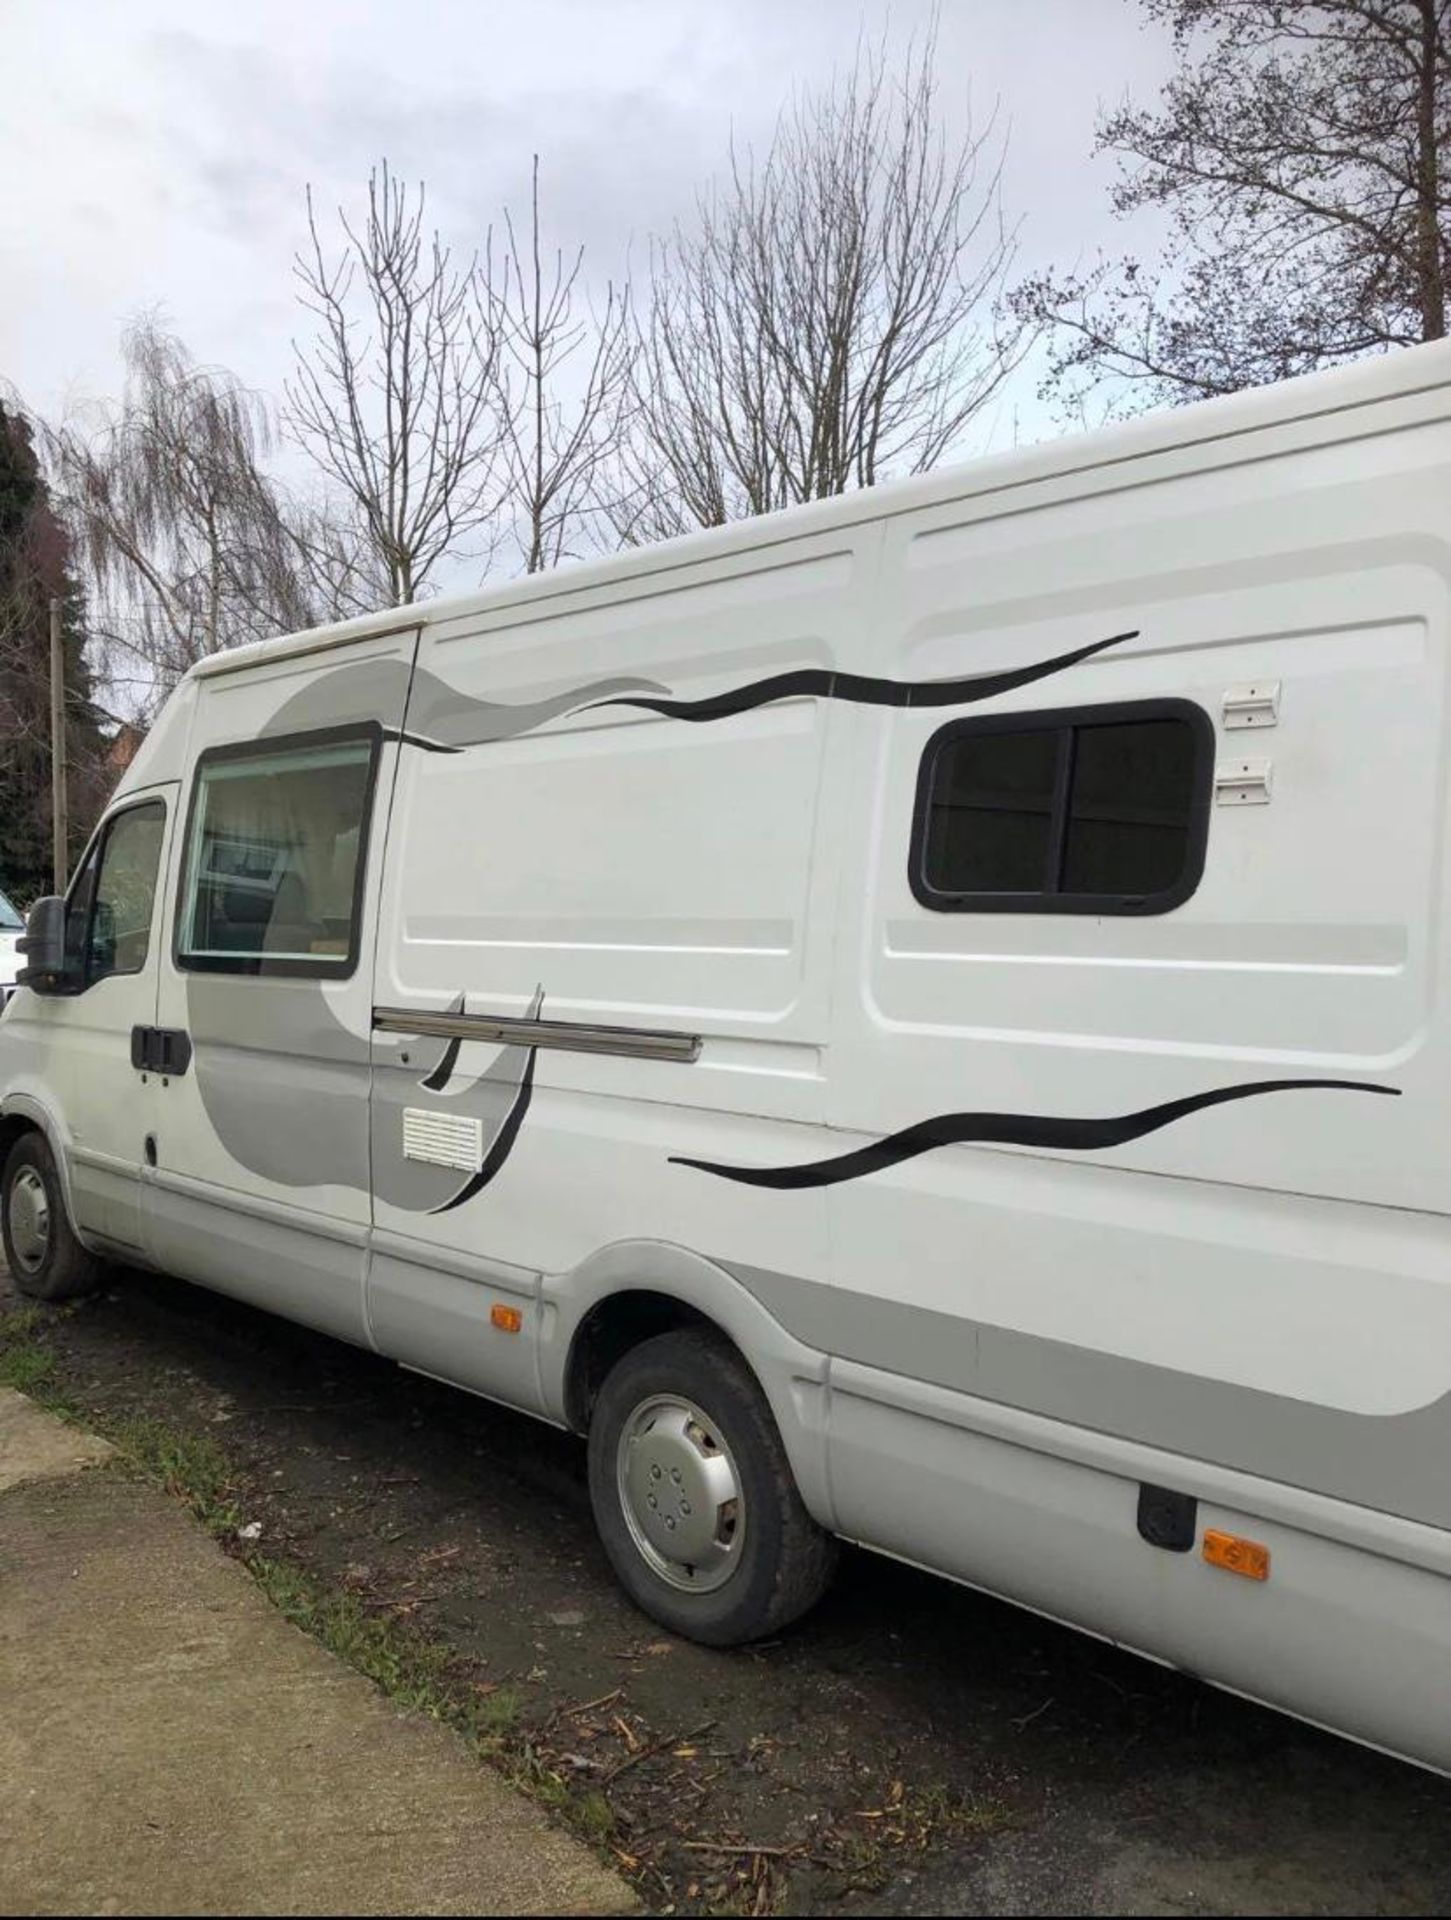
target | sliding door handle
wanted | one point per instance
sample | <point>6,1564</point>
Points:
<point>565,1036</point>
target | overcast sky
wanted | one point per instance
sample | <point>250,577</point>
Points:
<point>155,152</point>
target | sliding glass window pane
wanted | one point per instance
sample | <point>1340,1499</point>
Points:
<point>990,829</point>
<point>1130,808</point>
<point>272,867</point>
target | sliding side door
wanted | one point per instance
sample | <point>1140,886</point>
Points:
<point>261,1178</point>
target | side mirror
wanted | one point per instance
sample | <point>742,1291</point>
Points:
<point>44,947</point>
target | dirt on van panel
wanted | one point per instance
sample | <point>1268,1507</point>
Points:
<point>911,1748</point>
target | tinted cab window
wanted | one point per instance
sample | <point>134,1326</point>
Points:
<point>275,855</point>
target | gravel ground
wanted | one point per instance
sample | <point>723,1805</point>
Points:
<point>911,1748</point>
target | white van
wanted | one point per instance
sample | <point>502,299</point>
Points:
<point>12,926</point>
<point>918,1020</point>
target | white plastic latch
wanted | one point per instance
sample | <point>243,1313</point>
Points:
<point>1242,783</point>
<point>1255,705</point>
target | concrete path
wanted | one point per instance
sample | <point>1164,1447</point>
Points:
<point>169,1744</point>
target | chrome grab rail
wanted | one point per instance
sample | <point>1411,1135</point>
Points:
<point>568,1036</point>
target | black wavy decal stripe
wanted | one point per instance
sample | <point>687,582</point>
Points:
<point>443,1072</point>
<point>1012,1130</point>
<point>503,1142</point>
<point>406,739</point>
<point>826,684</point>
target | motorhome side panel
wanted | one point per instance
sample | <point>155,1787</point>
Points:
<point>573,849</point>
<point>1270,1049</point>
<point>1167,1171</point>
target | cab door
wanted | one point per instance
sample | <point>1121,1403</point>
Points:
<point>261,1183</point>
<point>93,1032</point>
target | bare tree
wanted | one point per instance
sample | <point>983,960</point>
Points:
<point>186,545</point>
<point>561,382</point>
<point>395,396</point>
<point>329,548</point>
<point>1300,157</point>
<point>833,315</point>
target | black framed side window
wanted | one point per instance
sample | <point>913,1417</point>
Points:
<point>1083,810</point>
<point>112,897</point>
<point>118,936</point>
<point>276,850</point>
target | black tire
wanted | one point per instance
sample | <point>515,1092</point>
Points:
<point>783,1562</point>
<point>63,1270</point>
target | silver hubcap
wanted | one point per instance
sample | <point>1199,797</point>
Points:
<point>681,1494</point>
<point>29,1219</point>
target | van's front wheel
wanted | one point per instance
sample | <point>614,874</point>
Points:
<point>46,1260</point>
<point>693,1495</point>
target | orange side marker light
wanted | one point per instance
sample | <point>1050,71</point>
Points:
<point>1236,1555</point>
<point>506,1319</point>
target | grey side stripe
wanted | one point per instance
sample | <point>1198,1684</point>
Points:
<point>1391,1463</point>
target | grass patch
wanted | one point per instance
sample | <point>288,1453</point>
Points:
<point>21,1323</point>
<point>27,1367</point>
<point>499,1714</point>
<point>27,1363</point>
<point>594,1818</point>
<point>189,1465</point>
<point>945,1810</point>
<point>409,1670</point>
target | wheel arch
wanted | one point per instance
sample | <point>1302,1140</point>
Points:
<point>22,1113</point>
<point>634,1290</point>
<point>608,1331</point>
<point>12,1126</point>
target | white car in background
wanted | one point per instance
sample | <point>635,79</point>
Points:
<point>12,925</point>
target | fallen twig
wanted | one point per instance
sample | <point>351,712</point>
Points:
<point>730,1847</point>
<point>591,1706</point>
<point>657,1746</point>
<point>1028,1718</point>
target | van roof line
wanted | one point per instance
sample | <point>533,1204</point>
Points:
<point>1400,375</point>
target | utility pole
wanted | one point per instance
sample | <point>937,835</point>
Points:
<point>57,747</point>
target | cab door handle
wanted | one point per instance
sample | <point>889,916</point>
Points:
<point>163,1050</point>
